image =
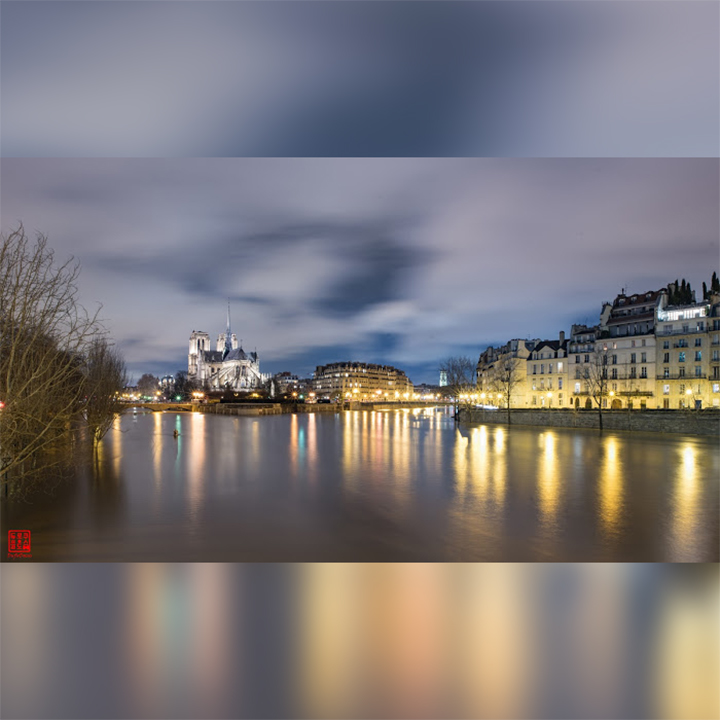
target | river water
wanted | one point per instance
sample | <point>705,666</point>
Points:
<point>376,486</point>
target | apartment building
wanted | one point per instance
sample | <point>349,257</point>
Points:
<point>688,338</point>
<point>362,382</point>
<point>547,374</point>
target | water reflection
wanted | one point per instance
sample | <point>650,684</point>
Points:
<point>548,481</point>
<point>345,641</point>
<point>611,489</point>
<point>384,486</point>
<point>685,519</point>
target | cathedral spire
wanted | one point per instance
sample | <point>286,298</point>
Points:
<point>228,336</point>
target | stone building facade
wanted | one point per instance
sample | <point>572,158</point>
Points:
<point>227,366</point>
<point>362,382</point>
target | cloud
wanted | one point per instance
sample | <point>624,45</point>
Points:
<point>401,261</point>
<point>188,79</point>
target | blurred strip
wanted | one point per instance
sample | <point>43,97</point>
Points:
<point>346,641</point>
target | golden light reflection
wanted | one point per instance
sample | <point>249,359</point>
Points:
<point>610,489</point>
<point>196,466</point>
<point>493,636</point>
<point>117,444</point>
<point>685,507</point>
<point>687,658</point>
<point>548,483</point>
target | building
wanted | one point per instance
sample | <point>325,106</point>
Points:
<point>489,366</point>
<point>228,366</point>
<point>546,371</point>
<point>688,369</point>
<point>361,381</point>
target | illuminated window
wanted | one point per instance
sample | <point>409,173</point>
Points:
<point>681,357</point>
<point>666,389</point>
<point>716,387</point>
<point>698,355</point>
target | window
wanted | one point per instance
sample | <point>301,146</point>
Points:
<point>587,358</point>
<point>614,359</point>
<point>666,372</point>
<point>560,367</point>
<point>550,368</point>
<point>681,357</point>
<point>698,371</point>
<point>701,326</point>
<point>534,399</point>
<point>698,342</point>
<point>698,355</point>
<point>716,356</point>
<point>577,372</point>
<point>666,389</point>
<point>577,388</point>
<point>542,369</point>
<point>577,358</point>
<point>666,404</point>
<point>542,383</point>
<point>632,357</point>
<point>534,369</point>
<point>682,388</point>
<point>534,385</point>
<point>632,342</point>
<point>643,357</point>
<point>633,372</point>
<point>586,374</point>
<point>643,342</point>
<point>643,372</point>
<point>666,345</point>
<point>681,372</point>
<point>559,383</point>
<point>716,387</point>
<point>686,328</point>
<point>604,402</point>
<point>666,357</point>
<point>614,373</point>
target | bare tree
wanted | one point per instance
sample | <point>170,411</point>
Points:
<point>44,333</point>
<point>460,375</point>
<point>105,378</point>
<point>505,378</point>
<point>597,379</point>
<point>148,385</point>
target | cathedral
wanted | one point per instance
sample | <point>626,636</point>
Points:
<point>228,366</point>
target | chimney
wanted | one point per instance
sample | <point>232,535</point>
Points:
<point>562,337</point>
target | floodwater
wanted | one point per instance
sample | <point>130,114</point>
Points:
<point>400,485</point>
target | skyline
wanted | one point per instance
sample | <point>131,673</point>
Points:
<point>394,261</point>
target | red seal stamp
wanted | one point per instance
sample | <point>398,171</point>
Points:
<point>19,543</point>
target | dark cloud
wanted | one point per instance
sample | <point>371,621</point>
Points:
<point>399,261</point>
<point>523,78</point>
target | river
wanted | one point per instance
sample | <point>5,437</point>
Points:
<point>376,486</point>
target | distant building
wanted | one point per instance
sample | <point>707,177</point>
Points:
<point>443,378</point>
<point>361,381</point>
<point>228,366</point>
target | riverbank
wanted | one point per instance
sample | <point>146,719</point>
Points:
<point>255,409</point>
<point>690,422</point>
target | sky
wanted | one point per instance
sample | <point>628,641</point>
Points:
<point>204,78</point>
<point>393,260</point>
<point>390,182</point>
